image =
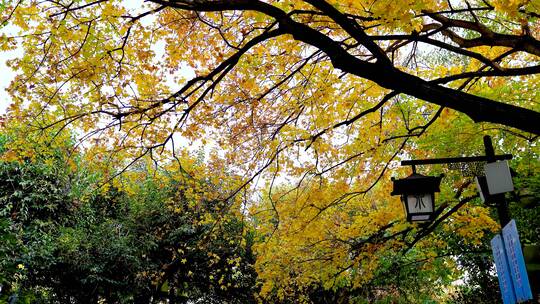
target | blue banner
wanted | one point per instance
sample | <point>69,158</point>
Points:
<point>516,262</point>
<point>503,271</point>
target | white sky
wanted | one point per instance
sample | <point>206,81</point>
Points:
<point>6,76</point>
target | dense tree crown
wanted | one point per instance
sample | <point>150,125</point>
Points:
<point>303,109</point>
<point>147,236</point>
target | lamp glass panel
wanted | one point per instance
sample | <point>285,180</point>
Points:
<point>424,217</point>
<point>419,203</point>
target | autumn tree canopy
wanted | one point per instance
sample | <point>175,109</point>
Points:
<point>310,102</point>
<point>342,81</point>
<point>287,72</point>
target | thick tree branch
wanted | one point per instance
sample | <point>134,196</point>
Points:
<point>353,29</point>
<point>525,42</point>
<point>479,109</point>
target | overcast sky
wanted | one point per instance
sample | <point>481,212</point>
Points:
<point>6,75</point>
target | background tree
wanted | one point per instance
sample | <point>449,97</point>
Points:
<point>144,238</point>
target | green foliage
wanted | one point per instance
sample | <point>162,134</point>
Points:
<point>480,284</point>
<point>525,206</point>
<point>61,243</point>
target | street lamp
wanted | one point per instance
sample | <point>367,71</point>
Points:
<point>418,195</point>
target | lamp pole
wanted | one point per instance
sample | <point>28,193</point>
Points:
<point>497,199</point>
